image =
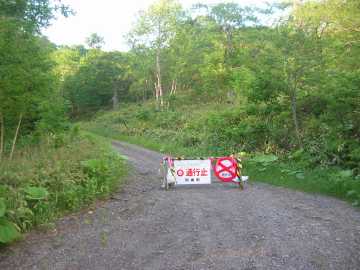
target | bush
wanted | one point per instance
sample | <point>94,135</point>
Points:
<point>41,184</point>
<point>143,114</point>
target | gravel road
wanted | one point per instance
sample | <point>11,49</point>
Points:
<point>208,227</point>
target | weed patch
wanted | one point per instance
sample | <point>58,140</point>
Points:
<point>43,183</point>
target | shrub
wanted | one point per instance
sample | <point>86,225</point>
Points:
<point>41,184</point>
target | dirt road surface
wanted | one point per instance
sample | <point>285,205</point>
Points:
<point>208,227</point>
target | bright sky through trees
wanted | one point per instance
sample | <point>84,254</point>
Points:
<point>111,19</point>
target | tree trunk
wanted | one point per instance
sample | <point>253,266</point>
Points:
<point>293,98</point>
<point>16,136</point>
<point>156,95</point>
<point>173,87</point>
<point>145,90</point>
<point>115,99</point>
<point>229,44</point>
<point>158,75</point>
<point>291,82</point>
<point>2,135</point>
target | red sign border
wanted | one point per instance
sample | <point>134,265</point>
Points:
<point>224,168</point>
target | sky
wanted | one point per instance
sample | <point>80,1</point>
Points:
<point>111,19</point>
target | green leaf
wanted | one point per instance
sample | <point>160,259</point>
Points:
<point>24,212</point>
<point>36,193</point>
<point>265,158</point>
<point>297,154</point>
<point>345,173</point>
<point>123,157</point>
<point>356,203</point>
<point>300,176</point>
<point>294,172</point>
<point>351,194</point>
<point>8,231</point>
<point>2,207</point>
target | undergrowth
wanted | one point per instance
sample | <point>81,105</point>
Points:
<point>197,131</point>
<point>55,178</point>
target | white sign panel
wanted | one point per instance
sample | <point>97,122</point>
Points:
<point>191,172</point>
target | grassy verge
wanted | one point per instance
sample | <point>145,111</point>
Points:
<point>325,181</point>
<point>58,177</point>
<point>174,140</point>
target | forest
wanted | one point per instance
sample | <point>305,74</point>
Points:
<point>279,84</point>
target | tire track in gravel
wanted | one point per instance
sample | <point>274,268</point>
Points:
<point>207,227</point>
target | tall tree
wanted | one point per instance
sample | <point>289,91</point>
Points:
<point>230,17</point>
<point>25,68</point>
<point>94,41</point>
<point>155,29</point>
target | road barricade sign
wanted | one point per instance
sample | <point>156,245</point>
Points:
<point>191,172</point>
<point>198,171</point>
<point>225,169</point>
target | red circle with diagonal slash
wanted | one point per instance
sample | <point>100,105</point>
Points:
<point>222,165</point>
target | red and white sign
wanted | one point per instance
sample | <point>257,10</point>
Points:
<point>225,169</point>
<point>192,172</point>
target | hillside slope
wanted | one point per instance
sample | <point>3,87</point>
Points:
<point>216,129</point>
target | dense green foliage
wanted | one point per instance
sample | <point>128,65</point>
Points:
<point>194,131</point>
<point>291,87</point>
<point>60,175</point>
<point>94,80</point>
<point>53,170</point>
<point>231,83</point>
<point>29,98</point>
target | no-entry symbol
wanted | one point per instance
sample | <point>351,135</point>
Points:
<point>180,172</point>
<point>225,169</point>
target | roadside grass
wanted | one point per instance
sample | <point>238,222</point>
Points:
<point>150,133</point>
<point>57,177</point>
<point>325,181</point>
